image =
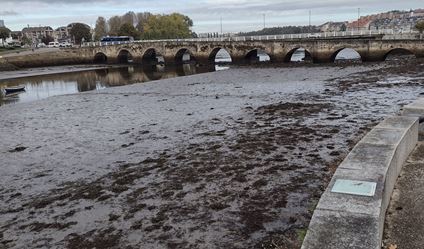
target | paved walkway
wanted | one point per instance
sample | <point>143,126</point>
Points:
<point>404,228</point>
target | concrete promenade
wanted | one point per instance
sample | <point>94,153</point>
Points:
<point>351,212</point>
<point>405,216</point>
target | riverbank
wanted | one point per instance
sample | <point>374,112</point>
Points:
<point>23,73</point>
<point>230,159</point>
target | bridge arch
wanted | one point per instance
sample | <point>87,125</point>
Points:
<point>184,55</point>
<point>346,54</point>
<point>257,55</point>
<point>397,53</point>
<point>100,57</point>
<point>151,57</point>
<point>220,55</point>
<point>124,56</point>
<point>298,54</point>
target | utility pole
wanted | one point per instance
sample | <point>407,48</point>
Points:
<point>359,16</point>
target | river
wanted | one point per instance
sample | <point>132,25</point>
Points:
<point>44,86</point>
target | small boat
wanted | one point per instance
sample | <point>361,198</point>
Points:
<point>14,89</point>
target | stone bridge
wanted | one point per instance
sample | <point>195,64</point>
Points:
<point>322,50</point>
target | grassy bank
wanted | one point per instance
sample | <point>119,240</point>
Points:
<point>4,51</point>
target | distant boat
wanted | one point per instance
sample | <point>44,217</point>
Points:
<point>14,89</point>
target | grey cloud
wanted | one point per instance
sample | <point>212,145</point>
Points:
<point>8,13</point>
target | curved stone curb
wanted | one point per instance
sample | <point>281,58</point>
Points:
<point>416,109</point>
<point>354,216</point>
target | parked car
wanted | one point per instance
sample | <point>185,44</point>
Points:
<point>314,35</point>
<point>65,45</point>
<point>53,44</point>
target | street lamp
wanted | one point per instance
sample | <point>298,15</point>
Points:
<point>310,13</point>
<point>221,25</point>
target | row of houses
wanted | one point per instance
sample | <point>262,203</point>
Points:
<point>35,35</point>
<point>396,20</point>
<point>61,34</point>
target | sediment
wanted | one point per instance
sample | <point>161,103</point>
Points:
<point>230,159</point>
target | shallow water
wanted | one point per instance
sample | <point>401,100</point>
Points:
<point>41,87</point>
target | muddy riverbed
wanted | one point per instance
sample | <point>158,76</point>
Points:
<point>230,159</point>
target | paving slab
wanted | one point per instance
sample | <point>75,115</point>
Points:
<point>328,225</point>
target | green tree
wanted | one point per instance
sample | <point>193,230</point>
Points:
<point>420,27</point>
<point>81,31</point>
<point>101,28</point>
<point>47,39</point>
<point>26,41</point>
<point>114,25</point>
<point>4,33</point>
<point>167,27</point>
<point>129,30</point>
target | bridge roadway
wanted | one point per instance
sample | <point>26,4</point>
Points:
<point>321,50</point>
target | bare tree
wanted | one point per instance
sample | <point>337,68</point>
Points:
<point>142,18</point>
<point>101,28</point>
<point>114,25</point>
<point>129,17</point>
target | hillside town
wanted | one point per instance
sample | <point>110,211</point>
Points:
<point>398,21</point>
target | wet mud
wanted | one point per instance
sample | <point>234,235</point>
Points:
<point>248,178</point>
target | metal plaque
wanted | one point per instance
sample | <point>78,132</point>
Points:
<point>354,187</point>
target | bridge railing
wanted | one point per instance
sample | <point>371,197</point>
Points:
<point>385,32</point>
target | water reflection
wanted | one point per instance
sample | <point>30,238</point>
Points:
<point>40,87</point>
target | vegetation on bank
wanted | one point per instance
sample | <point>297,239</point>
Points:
<point>4,33</point>
<point>420,27</point>
<point>145,25</point>
<point>283,30</point>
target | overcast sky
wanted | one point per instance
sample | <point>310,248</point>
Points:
<point>237,15</point>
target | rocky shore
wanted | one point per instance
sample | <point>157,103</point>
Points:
<point>230,159</point>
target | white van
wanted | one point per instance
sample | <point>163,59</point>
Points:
<point>53,44</point>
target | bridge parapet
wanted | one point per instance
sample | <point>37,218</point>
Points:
<point>382,33</point>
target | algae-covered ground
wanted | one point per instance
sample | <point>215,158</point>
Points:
<point>229,159</point>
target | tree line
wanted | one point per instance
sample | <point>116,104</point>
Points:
<point>282,30</point>
<point>145,25</point>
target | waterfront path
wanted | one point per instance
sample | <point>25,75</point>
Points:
<point>404,228</point>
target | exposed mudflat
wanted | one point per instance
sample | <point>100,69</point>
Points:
<point>230,159</point>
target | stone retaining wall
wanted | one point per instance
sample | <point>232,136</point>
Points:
<point>351,212</point>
